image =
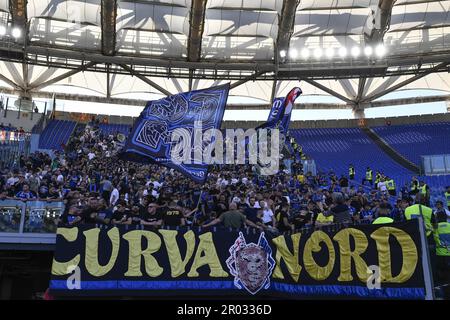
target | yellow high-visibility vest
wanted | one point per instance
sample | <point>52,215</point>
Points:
<point>390,184</point>
<point>412,212</point>
<point>423,189</point>
<point>383,220</point>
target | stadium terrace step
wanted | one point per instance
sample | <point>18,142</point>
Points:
<point>397,157</point>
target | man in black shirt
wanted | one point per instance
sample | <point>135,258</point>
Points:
<point>251,212</point>
<point>172,216</point>
<point>122,215</point>
<point>283,217</point>
<point>72,216</point>
<point>152,217</point>
<point>135,215</point>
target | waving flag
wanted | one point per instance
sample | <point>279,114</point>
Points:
<point>280,114</point>
<point>150,140</point>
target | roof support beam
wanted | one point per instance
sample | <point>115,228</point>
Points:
<point>145,79</point>
<point>302,106</point>
<point>11,83</point>
<point>377,25</point>
<point>361,87</point>
<point>286,26</point>
<point>197,25</point>
<point>38,86</point>
<point>108,18</point>
<point>108,81</point>
<point>405,83</point>
<point>329,91</point>
<point>274,90</point>
<point>247,79</point>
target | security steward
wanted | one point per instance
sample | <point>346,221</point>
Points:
<point>351,172</point>
<point>424,192</point>
<point>369,176</point>
<point>442,238</point>
<point>419,209</point>
<point>447,197</point>
<point>377,179</point>
<point>414,186</point>
<point>383,215</point>
<point>390,185</point>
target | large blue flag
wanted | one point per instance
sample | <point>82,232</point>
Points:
<point>150,140</point>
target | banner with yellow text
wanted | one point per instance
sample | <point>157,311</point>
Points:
<point>369,261</point>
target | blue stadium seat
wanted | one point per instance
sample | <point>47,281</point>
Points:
<point>415,140</point>
<point>113,129</point>
<point>56,133</point>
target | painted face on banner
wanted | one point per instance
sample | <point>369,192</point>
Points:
<point>252,267</point>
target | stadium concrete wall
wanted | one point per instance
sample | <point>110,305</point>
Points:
<point>350,123</point>
<point>26,120</point>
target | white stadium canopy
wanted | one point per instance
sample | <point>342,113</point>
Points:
<point>124,52</point>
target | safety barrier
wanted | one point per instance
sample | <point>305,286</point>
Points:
<point>19,219</point>
<point>436,164</point>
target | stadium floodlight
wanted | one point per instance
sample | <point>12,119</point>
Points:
<point>329,52</point>
<point>356,51</point>
<point>2,30</point>
<point>293,53</point>
<point>368,51</point>
<point>380,50</point>
<point>318,52</point>
<point>342,52</point>
<point>305,53</point>
<point>283,54</point>
<point>16,32</point>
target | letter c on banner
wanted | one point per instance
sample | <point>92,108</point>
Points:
<point>63,268</point>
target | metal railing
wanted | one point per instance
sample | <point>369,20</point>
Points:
<point>30,217</point>
<point>12,146</point>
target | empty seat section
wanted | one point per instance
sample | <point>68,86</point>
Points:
<point>414,140</point>
<point>55,134</point>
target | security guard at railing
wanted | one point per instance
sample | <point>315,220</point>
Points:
<point>414,186</point>
<point>416,210</point>
<point>351,172</point>
<point>424,193</point>
<point>447,197</point>
<point>390,185</point>
<point>423,188</point>
<point>383,215</point>
<point>442,238</point>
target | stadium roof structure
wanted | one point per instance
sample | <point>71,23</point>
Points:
<point>354,50</point>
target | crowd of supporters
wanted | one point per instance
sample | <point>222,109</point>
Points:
<point>98,187</point>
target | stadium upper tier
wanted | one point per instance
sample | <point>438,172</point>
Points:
<point>336,148</point>
<point>415,140</point>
